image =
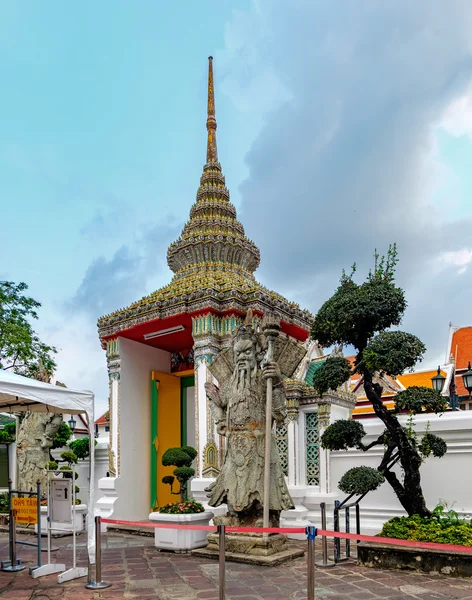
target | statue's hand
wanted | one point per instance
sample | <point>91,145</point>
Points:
<point>213,392</point>
<point>271,370</point>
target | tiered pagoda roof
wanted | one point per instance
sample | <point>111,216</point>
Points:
<point>213,261</point>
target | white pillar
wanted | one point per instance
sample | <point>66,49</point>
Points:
<point>200,411</point>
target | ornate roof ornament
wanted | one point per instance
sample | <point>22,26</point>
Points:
<point>213,261</point>
<point>213,234</point>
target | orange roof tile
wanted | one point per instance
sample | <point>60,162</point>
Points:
<point>461,347</point>
<point>422,378</point>
<point>460,387</point>
<point>103,420</point>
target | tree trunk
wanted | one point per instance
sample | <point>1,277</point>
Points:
<point>410,493</point>
<point>34,442</point>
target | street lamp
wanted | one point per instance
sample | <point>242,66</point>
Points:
<point>438,381</point>
<point>438,384</point>
<point>72,423</point>
<point>467,379</point>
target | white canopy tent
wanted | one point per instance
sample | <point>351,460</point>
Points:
<point>20,394</point>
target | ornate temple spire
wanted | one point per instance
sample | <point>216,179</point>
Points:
<point>212,151</point>
<point>213,239</point>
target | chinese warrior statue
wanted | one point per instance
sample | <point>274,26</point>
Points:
<point>239,408</point>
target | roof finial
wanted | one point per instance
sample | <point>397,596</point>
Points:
<point>212,152</point>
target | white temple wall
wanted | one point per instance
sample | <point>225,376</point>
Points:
<point>134,431</point>
<point>443,479</point>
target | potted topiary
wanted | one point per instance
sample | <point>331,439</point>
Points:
<point>186,512</point>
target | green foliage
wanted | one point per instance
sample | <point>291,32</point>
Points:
<point>190,451</point>
<point>356,312</point>
<point>177,457</point>
<point>332,373</point>
<point>169,480</point>
<point>417,399</point>
<point>446,517</point>
<point>52,465</point>
<point>392,352</point>
<point>68,472</point>
<point>441,527</point>
<point>432,444</point>
<point>63,435</point>
<point>6,435</point>
<point>181,458</point>
<point>4,503</point>
<point>182,508</point>
<point>10,428</point>
<point>21,350</point>
<point>184,473</point>
<point>81,448</point>
<point>360,480</point>
<point>69,457</point>
<point>342,435</point>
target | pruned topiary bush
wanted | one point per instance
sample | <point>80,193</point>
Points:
<point>360,480</point>
<point>182,459</point>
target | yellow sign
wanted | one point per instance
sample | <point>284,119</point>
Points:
<point>26,510</point>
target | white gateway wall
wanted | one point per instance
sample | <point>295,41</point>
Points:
<point>444,480</point>
<point>133,484</point>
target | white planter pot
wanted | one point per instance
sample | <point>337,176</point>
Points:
<point>181,540</point>
<point>64,528</point>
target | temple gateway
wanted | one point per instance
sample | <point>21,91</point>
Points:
<point>159,349</point>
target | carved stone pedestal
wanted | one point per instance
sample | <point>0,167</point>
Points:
<point>254,549</point>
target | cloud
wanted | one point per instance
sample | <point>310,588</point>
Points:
<point>457,119</point>
<point>346,161</point>
<point>111,283</point>
<point>460,258</point>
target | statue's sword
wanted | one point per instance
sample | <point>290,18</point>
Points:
<point>271,328</point>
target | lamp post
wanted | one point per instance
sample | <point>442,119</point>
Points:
<point>438,384</point>
<point>72,423</point>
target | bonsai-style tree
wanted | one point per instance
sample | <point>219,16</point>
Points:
<point>361,316</point>
<point>182,459</point>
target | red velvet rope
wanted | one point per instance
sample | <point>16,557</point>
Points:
<point>302,530</point>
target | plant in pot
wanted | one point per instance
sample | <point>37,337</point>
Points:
<point>186,512</point>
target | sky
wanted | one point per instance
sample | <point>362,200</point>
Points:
<point>342,127</point>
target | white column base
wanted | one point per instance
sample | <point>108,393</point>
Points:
<point>109,495</point>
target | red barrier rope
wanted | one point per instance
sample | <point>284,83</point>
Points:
<point>394,542</point>
<point>319,532</point>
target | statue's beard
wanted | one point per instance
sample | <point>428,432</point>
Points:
<point>245,377</point>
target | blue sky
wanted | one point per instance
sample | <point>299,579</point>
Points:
<point>338,133</point>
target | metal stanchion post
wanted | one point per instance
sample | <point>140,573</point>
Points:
<point>348,530</point>
<point>222,565</point>
<point>337,542</point>
<point>38,495</point>
<point>98,584</point>
<point>310,576</point>
<point>358,521</point>
<point>325,562</point>
<point>13,564</point>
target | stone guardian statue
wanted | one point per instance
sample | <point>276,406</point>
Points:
<point>239,408</point>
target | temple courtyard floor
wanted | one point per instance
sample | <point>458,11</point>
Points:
<point>137,570</point>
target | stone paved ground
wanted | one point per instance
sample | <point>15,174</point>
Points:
<point>139,571</point>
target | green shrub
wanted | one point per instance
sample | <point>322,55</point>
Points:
<point>360,480</point>
<point>81,448</point>
<point>4,503</point>
<point>342,435</point>
<point>442,527</point>
<point>181,458</point>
